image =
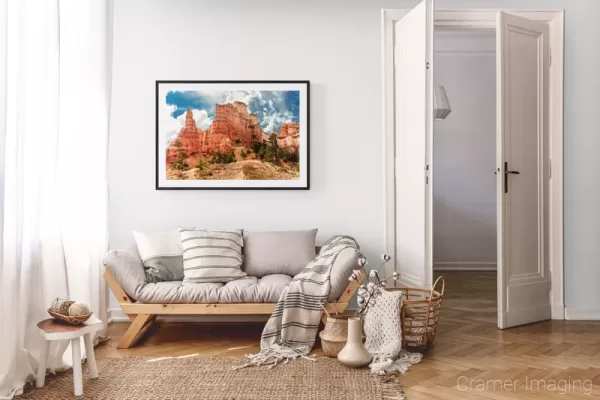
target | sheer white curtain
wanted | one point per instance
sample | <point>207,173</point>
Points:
<point>55,62</point>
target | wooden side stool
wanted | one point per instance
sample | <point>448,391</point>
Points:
<point>50,329</point>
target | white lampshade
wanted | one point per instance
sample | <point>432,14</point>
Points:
<point>441,105</point>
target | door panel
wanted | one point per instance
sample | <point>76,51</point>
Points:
<point>413,73</point>
<point>523,267</point>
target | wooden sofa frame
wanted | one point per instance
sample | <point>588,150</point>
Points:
<point>143,315</point>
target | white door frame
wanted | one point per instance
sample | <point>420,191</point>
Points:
<point>484,19</point>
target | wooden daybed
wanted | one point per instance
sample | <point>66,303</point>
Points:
<point>143,315</point>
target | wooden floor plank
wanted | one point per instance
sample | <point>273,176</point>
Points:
<point>468,348</point>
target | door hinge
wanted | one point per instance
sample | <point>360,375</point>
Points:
<point>427,174</point>
<point>427,65</point>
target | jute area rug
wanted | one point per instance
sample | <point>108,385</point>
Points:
<point>207,378</point>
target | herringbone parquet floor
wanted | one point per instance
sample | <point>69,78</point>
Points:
<point>471,359</point>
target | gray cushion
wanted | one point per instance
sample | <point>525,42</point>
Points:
<point>127,268</point>
<point>285,252</point>
<point>244,290</point>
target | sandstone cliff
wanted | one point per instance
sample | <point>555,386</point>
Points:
<point>232,126</point>
<point>289,135</point>
<point>190,139</point>
<point>232,122</point>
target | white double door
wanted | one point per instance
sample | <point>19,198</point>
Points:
<point>522,155</point>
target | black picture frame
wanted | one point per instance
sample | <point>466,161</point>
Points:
<point>303,159</point>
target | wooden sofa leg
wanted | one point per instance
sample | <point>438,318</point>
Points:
<point>141,323</point>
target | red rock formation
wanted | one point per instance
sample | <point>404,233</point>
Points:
<point>233,122</point>
<point>289,135</point>
<point>231,127</point>
<point>225,145</point>
<point>190,139</point>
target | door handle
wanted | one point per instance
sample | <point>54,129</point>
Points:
<point>506,172</point>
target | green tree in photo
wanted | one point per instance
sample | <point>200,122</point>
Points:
<point>201,167</point>
<point>219,157</point>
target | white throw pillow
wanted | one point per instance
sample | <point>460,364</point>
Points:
<point>161,254</point>
<point>211,255</point>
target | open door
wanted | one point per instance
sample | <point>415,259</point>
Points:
<point>413,73</point>
<point>523,62</point>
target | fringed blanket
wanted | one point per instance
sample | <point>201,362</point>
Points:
<point>383,330</point>
<point>291,330</point>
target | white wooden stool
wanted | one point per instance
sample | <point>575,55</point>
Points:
<point>50,329</point>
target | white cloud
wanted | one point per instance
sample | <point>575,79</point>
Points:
<point>275,119</point>
<point>201,118</point>
<point>203,121</point>
<point>243,96</point>
<point>169,126</point>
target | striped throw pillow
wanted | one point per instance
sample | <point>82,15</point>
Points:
<point>211,255</point>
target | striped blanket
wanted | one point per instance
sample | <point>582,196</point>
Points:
<point>291,330</point>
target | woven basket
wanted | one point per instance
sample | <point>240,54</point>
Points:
<point>334,336</point>
<point>420,313</point>
<point>69,319</point>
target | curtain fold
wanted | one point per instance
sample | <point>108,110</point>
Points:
<point>55,72</point>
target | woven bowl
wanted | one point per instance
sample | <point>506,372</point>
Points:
<point>335,335</point>
<point>69,319</point>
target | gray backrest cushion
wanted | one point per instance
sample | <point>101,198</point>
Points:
<point>284,252</point>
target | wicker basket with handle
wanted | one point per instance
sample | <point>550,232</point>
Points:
<point>420,313</point>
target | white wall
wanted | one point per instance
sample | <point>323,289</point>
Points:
<point>464,192</point>
<point>336,48</point>
<point>335,44</point>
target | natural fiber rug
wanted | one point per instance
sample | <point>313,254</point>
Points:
<point>207,378</point>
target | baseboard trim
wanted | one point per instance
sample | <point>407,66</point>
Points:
<point>117,315</point>
<point>465,266</point>
<point>582,313</point>
<point>558,311</point>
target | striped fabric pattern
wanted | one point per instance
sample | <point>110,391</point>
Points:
<point>211,255</point>
<point>291,330</point>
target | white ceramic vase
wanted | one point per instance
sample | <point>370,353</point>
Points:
<point>354,354</point>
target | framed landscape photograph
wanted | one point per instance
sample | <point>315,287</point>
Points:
<point>232,134</point>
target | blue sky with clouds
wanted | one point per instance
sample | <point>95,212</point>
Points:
<point>273,108</point>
